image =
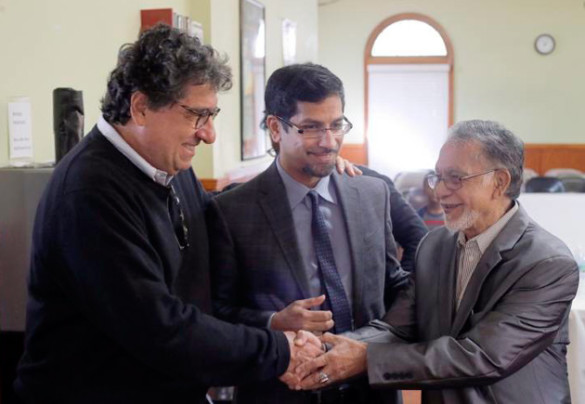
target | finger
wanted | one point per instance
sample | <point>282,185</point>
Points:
<point>291,380</point>
<point>317,315</point>
<point>308,352</point>
<point>308,367</point>
<point>331,338</point>
<point>303,337</point>
<point>349,169</point>
<point>312,381</point>
<point>311,302</point>
<point>309,337</point>
<point>340,164</point>
<point>320,325</point>
<point>357,170</point>
<point>311,345</point>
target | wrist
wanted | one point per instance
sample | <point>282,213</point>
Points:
<point>270,321</point>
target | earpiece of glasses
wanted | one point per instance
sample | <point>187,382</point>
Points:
<point>200,116</point>
<point>338,129</point>
<point>453,181</point>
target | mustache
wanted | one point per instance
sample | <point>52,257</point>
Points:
<point>322,150</point>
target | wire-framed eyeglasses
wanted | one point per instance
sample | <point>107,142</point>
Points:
<point>178,219</point>
<point>453,182</point>
<point>337,129</point>
<point>199,117</point>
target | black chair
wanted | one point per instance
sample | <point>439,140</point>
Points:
<point>574,184</point>
<point>544,184</point>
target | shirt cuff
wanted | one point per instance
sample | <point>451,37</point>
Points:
<point>269,324</point>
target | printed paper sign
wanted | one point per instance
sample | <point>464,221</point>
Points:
<point>19,129</point>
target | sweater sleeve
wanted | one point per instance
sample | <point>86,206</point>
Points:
<point>117,278</point>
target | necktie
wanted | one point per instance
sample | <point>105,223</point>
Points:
<point>329,276</point>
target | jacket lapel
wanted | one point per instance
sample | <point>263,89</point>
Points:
<point>504,241</point>
<point>488,261</point>
<point>274,203</point>
<point>350,205</point>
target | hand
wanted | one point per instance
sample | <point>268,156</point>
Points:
<point>303,346</point>
<point>345,359</point>
<point>346,166</point>
<point>297,316</point>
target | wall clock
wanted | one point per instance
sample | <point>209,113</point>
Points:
<point>544,44</point>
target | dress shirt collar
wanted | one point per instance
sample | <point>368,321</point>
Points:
<point>158,176</point>
<point>488,236</point>
<point>296,191</point>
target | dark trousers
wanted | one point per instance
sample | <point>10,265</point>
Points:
<point>355,393</point>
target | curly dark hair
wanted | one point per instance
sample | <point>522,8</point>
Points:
<point>161,64</point>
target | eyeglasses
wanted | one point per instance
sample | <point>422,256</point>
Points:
<point>453,182</point>
<point>338,129</point>
<point>199,117</point>
<point>178,219</point>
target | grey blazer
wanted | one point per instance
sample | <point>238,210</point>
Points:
<point>257,267</point>
<point>507,341</point>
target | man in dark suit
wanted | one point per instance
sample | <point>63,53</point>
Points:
<point>485,319</point>
<point>110,319</point>
<point>270,266</point>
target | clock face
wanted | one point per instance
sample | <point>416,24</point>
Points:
<point>544,44</point>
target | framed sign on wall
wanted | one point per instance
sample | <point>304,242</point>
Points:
<point>253,78</point>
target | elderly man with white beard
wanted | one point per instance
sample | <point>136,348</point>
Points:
<point>485,317</point>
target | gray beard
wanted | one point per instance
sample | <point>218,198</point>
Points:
<point>464,222</point>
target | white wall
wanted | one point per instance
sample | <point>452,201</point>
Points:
<point>62,43</point>
<point>73,43</point>
<point>498,74</point>
<point>225,37</point>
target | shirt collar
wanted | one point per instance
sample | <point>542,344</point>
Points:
<point>484,239</point>
<point>296,191</point>
<point>110,133</point>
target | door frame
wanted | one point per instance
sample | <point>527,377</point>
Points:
<point>369,60</point>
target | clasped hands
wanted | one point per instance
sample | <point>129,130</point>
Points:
<point>311,365</point>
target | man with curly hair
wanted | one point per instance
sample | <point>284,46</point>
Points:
<point>118,284</point>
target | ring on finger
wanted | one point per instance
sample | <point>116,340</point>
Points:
<point>323,377</point>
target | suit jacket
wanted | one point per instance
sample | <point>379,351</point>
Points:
<point>507,341</point>
<point>257,267</point>
<point>407,227</point>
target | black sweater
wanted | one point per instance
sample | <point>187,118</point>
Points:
<point>113,311</point>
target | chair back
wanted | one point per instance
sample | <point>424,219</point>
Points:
<point>544,184</point>
<point>563,172</point>
<point>574,184</point>
<point>527,173</point>
<point>406,180</point>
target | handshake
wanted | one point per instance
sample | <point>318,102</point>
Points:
<point>316,362</point>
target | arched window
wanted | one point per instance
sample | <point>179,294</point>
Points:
<point>409,38</point>
<point>409,93</point>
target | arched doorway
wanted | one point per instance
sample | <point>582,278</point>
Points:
<point>409,93</point>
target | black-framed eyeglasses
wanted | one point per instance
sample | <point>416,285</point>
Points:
<point>178,219</point>
<point>453,182</point>
<point>199,117</point>
<point>338,129</point>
